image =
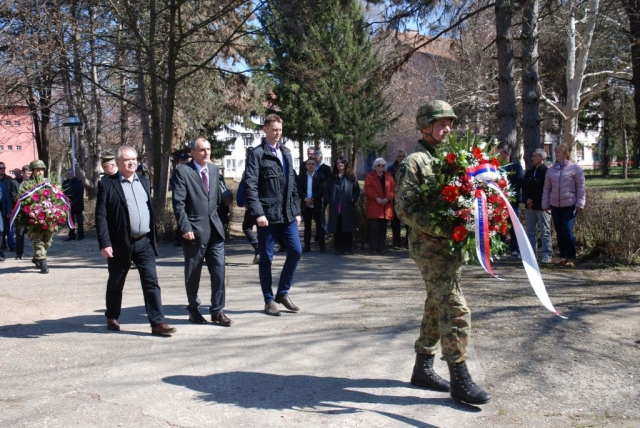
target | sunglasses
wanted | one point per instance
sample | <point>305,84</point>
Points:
<point>380,165</point>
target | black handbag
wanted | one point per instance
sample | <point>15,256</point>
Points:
<point>227,194</point>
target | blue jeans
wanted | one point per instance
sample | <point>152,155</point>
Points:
<point>290,237</point>
<point>563,220</point>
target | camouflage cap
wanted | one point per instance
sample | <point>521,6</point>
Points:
<point>432,111</point>
<point>37,164</point>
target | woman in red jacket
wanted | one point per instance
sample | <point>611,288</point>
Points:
<point>380,190</point>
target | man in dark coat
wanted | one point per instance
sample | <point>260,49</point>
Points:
<point>196,198</point>
<point>515,175</point>
<point>311,191</point>
<point>272,199</point>
<point>126,232</point>
<point>12,186</point>
<point>395,223</point>
<point>73,188</point>
<point>535,216</point>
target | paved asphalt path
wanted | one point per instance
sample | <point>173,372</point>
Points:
<point>345,360</point>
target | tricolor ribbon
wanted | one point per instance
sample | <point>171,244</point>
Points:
<point>28,193</point>
<point>488,173</point>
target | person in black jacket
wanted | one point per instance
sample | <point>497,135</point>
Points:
<point>398,242</point>
<point>515,176</point>
<point>126,232</point>
<point>73,188</point>
<point>311,190</point>
<point>535,216</point>
<point>272,199</point>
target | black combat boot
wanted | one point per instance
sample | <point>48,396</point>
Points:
<point>19,256</point>
<point>35,262</point>
<point>425,377</point>
<point>463,388</point>
<point>43,266</point>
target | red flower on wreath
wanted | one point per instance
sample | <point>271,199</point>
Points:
<point>35,197</point>
<point>477,153</point>
<point>451,159</point>
<point>459,233</point>
<point>495,162</point>
<point>27,209</point>
<point>502,183</point>
<point>46,192</point>
<point>450,193</point>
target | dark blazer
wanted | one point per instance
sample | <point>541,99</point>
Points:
<point>74,189</point>
<point>112,216</point>
<point>325,170</point>
<point>195,209</point>
<point>269,193</point>
<point>346,191</point>
<point>317,189</point>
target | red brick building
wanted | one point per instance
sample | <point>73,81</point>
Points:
<point>17,142</point>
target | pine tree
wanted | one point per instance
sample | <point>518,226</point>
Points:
<point>329,81</point>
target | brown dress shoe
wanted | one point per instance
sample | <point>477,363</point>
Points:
<point>286,301</point>
<point>112,324</point>
<point>221,318</point>
<point>271,309</point>
<point>162,329</point>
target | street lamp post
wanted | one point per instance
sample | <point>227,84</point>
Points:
<point>71,122</point>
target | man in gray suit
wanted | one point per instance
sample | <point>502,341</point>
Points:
<point>196,195</point>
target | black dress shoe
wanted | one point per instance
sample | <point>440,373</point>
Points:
<point>162,329</point>
<point>221,318</point>
<point>112,324</point>
<point>197,318</point>
<point>286,301</point>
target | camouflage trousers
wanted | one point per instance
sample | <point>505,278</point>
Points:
<point>447,320</point>
<point>40,241</point>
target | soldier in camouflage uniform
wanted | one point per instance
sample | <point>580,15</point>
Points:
<point>40,241</point>
<point>447,320</point>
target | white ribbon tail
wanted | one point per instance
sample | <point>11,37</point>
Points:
<point>528,256</point>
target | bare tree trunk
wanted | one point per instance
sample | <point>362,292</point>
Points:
<point>606,132</point>
<point>506,86</point>
<point>578,45</point>
<point>530,79</point>
<point>632,7</point>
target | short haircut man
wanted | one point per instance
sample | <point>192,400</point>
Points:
<point>196,197</point>
<point>126,232</point>
<point>275,205</point>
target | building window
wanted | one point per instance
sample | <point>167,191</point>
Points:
<point>231,165</point>
<point>327,160</point>
<point>7,122</point>
<point>248,140</point>
<point>18,147</point>
<point>16,123</point>
<point>1,148</point>
<point>9,147</point>
<point>296,145</point>
<point>326,146</point>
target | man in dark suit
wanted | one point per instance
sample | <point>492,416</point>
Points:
<point>126,232</point>
<point>311,191</point>
<point>196,196</point>
<point>74,189</point>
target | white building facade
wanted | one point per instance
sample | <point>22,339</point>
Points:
<point>243,137</point>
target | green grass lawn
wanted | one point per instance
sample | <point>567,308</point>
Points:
<point>615,186</point>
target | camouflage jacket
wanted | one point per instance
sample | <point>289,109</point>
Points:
<point>411,203</point>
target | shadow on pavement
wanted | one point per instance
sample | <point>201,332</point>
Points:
<point>96,323</point>
<point>322,395</point>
